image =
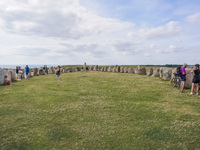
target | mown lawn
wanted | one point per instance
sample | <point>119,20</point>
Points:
<point>97,110</point>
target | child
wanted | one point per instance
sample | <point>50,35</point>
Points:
<point>6,81</point>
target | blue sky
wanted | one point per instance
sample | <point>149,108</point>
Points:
<point>99,32</point>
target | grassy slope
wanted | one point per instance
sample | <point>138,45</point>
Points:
<point>97,110</point>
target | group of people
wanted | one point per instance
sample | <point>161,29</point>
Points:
<point>20,72</point>
<point>195,80</point>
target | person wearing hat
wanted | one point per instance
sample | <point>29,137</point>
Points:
<point>195,80</point>
<point>183,77</point>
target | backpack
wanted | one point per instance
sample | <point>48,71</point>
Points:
<point>179,71</point>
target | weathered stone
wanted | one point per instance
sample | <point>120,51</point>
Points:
<point>130,70</point>
<point>78,68</point>
<point>41,71</point>
<point>35,72</point>
<point>167,73</point>
<point>73,69</point>
<point>70,69</point>
<point>45,69</point>
<point>61,70</point>
<point>51,70</point>
<point>102,69</point>
<point>2,76</point>
<point>189,78</point>
<point>156,72</point>
<point>122,69</point>
<point>118,69</point>
<point>161,72</point>
<point>140,71</point>
<point>150,72</point>
<point>105,69</point>
<point>125,70</point>
<point>91,68</point>
<point>11,74</point>
<point>67,69</point>
<point>114,69</point>
<point>84,67</point>
<point>109,69</point>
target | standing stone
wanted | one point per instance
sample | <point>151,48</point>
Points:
<point>35,72</point>
<point>150,72</point>
<point>189,78</point>
<point>105,69</point>
<point>130,70</point>
<point>156,73</point>
<point>140,71</point>
<point>84,67</point>
<point>167,73</point>
<point>109,69</point>
<point>11,74</point>
<point>70,69</point>
<point>41,71</point>
<point>122,70</point>
<point>114,69</point>
<point>118,69</point>
<point>67,69</point>
<point>91,68</point>
<point>78,68</point>
<point>125,70</point>
<point>73,69</point>
<point>2,76</point>
<point>46,69</point>
<point>61,70</point>
<point>161,71</point>
<point>173,71</point>
<point>51,70</point>
<point>102,69</point>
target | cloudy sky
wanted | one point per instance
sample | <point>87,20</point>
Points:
<point>104,32</point>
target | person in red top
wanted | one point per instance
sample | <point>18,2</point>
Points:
<point>6,81</point>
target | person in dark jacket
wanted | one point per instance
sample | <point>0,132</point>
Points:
<point>195,79</point>
<point>58,74</point>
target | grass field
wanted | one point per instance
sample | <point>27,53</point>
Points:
<point>97,110</point>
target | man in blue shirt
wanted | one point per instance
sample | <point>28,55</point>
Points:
<point>27,71</point>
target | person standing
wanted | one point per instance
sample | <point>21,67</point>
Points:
<point>183,77</point>
<point>58,75</point>
<point>195,79</point>
<point>17,71</point>
<point>27,72</point>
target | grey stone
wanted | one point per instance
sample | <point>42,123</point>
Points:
<point>118,69</point>
<point>70,69</point>
<point>140,71</point>
<point>51,70</point>
<point>105,69</point>
<point>130,70</point>
<point>41,71</point>
<point>167,73</point>
<point>122,69</point>
<point>11,74</point>
<point>73,69</point>
<point>78,68</point>
<point>2,76</point>
<point>84,67</point>
<point>126,70</point>
<point>91,68</point>
<point>156,72</point>
<point>109,69</point>
<point>35,72</point>
<point>189,78</point>
<point>150,72</point>
<point>114,69</point>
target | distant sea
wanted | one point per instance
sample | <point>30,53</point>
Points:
<point>23,66</point>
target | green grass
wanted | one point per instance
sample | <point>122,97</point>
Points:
<point>97,110</point>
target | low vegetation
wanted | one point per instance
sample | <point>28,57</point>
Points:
<point>97,110</point>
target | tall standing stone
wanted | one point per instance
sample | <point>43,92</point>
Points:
<point>35,72</point>
<point>114,69</point>
<point>11,74</point>
<point>109,69</point>
<point>150,72</point>
<point>91,68</point>
<point>118,69</point>
<point>130,70</point>
<point>78,68</point>
<point>2,76</point>
<point>84,67</point>
<point>46,69</point>
<point>73,69</point>
<point>122,69</point>
<point>41,71</point>
<point>70,69</point>
<point>52,70</point>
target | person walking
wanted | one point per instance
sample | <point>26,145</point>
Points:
<point>27,72</point>
<point>195,79</point>
<point>183,77</point>
<point>58,75</point>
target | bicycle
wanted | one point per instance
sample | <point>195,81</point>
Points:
<point>176,81</point>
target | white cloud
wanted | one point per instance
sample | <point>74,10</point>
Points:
<point>64,19</point>
<point>171,29</point>
<point>170,49</point>
<point>194,19</point>
<point>147,54</point>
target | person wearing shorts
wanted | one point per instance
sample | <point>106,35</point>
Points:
<point>58,75</point>
<point>183,77</point>
<point>27,72</point>
<point>195,79</point>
